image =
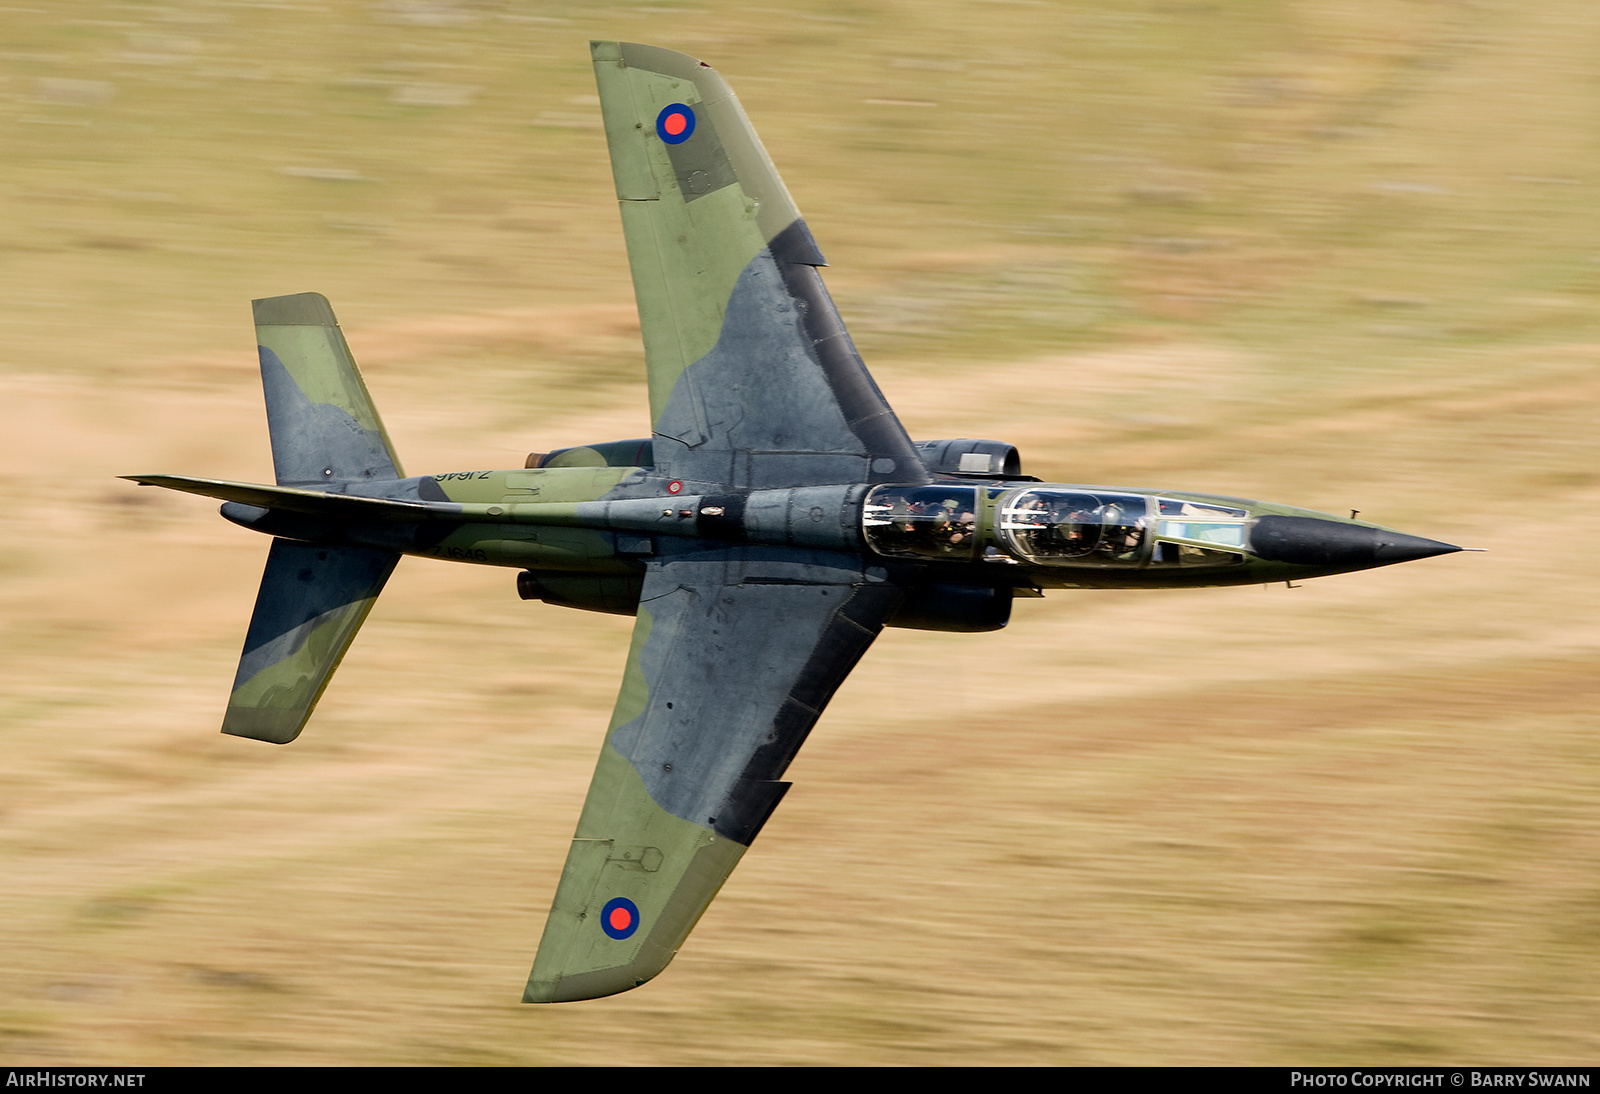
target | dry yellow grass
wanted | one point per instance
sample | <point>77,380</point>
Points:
<point>1338,254</point>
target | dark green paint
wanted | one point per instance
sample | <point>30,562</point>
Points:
<point>775,521</point>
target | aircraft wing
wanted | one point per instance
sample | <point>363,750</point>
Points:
<point>754,382</point>
<point>735,653</point>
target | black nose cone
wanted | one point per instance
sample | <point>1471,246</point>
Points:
<point>1337,546</point>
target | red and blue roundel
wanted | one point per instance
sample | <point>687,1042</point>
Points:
<point>675,124</point>
<point>619,918</point>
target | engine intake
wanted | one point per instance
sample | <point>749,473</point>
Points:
<point>990,459</point>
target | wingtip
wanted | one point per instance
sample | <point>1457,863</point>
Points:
<point>274,726</point>
<point>305,309</point>
<point>592,985</point>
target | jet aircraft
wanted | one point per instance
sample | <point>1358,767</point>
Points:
<point>777,518</point>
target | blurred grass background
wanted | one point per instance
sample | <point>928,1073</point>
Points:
<point>1337,253</point>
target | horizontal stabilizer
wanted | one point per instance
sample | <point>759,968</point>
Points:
<point>324,425</point>
<point>312,601</point>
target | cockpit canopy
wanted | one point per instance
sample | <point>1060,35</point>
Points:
<point>1086,526</point>
<point>1065,526</point>
<point>936,522</point>
<point>1073,527</point>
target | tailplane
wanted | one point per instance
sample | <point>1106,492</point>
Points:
<point>314,597</point>
<point>312,601</point>
<point>323,424</point>
<point>314,594</point>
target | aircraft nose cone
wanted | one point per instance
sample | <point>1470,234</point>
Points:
<point>1336,545</point>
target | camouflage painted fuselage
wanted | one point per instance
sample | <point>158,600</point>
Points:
<point>577,516</point>
<point>775,521</point>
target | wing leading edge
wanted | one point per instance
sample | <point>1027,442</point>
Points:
<point>732,662</point>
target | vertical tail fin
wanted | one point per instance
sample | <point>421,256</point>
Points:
<point>323,424</point>
<point>313,599</point>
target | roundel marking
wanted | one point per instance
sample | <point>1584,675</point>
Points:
<point>675,123</point>
<point>619,918</point>
<point>674,486</point>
